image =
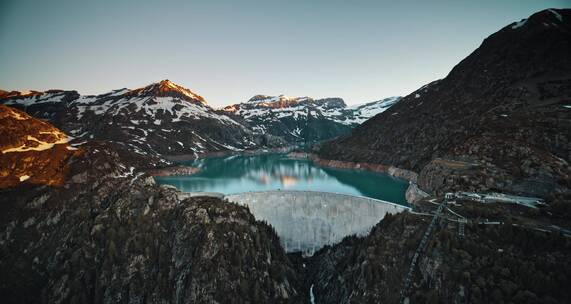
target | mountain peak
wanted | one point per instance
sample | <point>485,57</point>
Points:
<point>167,84</point>
<point>167,88</point>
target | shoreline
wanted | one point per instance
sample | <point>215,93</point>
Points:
<point>188,157</point>
<point>407,175</point>
<point>413,193</point>
<point>179,169</point>
<point>173,171</point>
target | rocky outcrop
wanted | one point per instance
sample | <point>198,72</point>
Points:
<point>504,107</point>
<point>414,194</point>
<point>442,175</point>
<point>32,151</point>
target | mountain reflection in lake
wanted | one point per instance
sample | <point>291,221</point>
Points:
<point>242,173</point>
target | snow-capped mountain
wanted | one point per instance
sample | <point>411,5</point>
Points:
<point>167,120</point>
<point>159,119</point>
<point>304,119</point>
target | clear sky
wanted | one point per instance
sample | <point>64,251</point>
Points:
<point>228,51</point>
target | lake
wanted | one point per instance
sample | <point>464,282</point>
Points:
<point>243,173</point>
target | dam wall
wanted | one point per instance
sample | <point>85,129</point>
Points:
<point>307,220</point>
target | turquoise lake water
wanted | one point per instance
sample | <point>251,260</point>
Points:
<point>243,173</point>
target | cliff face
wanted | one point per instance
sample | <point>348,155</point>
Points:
<point>108,234</point>
<point>505,108</point>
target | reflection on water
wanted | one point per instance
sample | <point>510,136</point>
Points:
<point>236,174</point>
<point>288,181</point>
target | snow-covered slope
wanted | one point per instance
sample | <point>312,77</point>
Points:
<point>159,119</point>
<point>299,119</point>
<point>365,111</point>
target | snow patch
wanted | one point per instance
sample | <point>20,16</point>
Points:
<point>37,99</point>
<point>557,15</point>
<point>519,24</point>
<point>17,115</point>
<point>42,145</point>
<point>311,295</point>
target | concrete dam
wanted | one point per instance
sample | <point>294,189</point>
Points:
<point>307,220</point>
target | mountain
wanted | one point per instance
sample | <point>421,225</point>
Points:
<point>500,120</point>
<point>31,150</point>
<point>304,119</point>
<point>167,121</point>
<point>162,119</point>
<point>85,225</point>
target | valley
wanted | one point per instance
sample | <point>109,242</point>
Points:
<point>459,192</point>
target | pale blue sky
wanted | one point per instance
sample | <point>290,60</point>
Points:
<point>228,51</point>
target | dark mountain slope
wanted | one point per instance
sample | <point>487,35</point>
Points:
<point>504,112</point>
<point>490,264</point>
<point>105,233</point>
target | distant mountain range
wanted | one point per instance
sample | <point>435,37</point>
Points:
<point>166,120</point>
<point>305,119</point>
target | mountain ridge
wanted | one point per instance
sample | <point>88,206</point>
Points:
<point>169,121</point>
<point>161,119</point>
<point>304,119</point>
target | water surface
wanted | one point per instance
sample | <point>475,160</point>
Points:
<point>242,173</point>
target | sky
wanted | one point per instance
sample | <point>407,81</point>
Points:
<point>228,51</point>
